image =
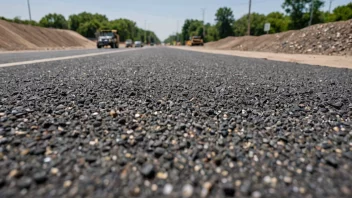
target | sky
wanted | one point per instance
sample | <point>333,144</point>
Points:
<point>164,17</point>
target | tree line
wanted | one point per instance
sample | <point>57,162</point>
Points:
<point>87,24</point>
<point>296,16</point>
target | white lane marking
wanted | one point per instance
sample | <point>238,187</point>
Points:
<point>64,58</point>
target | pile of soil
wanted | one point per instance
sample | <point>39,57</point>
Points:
<point>328,39</point>
<point>26,37</point>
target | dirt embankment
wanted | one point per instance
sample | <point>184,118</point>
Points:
<point>326,39</point>
<point>25,37</point>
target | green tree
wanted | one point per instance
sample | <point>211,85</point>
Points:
<point>278,22</point>
<point>298,11</point>
<point>211,33</point>
<point>224,20</point>
<point>190,28</point>
<point>342,13</point>
<point>172,38</point>
<point>240,26</point>
<point>75,20</point>
<point>257,24</point>
<point>53,20</point>
<point>184,32</point>
<point>88,29</point>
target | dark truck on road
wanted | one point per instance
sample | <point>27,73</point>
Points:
<point>108,38</point>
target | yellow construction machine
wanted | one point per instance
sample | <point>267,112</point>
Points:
<point>195,40</point>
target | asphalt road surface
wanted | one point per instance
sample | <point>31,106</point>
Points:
<point>37,55</point>
<point>163,122</point>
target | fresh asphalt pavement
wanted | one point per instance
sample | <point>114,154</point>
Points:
<point>164,122</point>
<point>37,55</point>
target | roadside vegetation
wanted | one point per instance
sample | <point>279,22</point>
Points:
<point>87,25</point>
<point>296,16</point>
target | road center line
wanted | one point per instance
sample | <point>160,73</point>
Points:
<point>63,58</point>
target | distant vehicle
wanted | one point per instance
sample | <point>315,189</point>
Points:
<point>129,43</point>
<point>151,44</point>
<point>108,38</point>
<point>138,44</point>
<point>195,40</point>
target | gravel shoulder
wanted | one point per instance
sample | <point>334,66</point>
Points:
<point>322,60</point>
<point>164,122</point>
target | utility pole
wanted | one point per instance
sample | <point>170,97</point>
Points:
<point>330,5</point>
<point>249,18</point>
<point>29,10</point>
<point>149,33</point>
<point>203,12</point>
<point>145,31</point>
<point>311,12</point>
<point>177,33</point>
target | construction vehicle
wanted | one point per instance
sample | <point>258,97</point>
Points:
<point>108,38</point>
<point>195,40</point>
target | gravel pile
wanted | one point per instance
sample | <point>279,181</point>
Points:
<point>170,123</point>
<point>327,39</point>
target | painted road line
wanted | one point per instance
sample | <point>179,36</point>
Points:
<point>64,58</point>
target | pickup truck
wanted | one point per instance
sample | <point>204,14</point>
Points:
<point>129,43</point>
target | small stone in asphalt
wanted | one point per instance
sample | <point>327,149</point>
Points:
<point>167,189</point>
<point>148,171</point>
<point>229,190</point>
<point>187,190</point>
<point>122,121</point>
<point>113,113</point>
<point>218,160</point>
<point>24,182</point>
<point>159,152</point>
<point>90,158</point>
<point>40,177</point>
<point>102,104</point>
<point>256,194</point>
<point>2,182</point>
<point>331,160</point>
<point>224,133</point>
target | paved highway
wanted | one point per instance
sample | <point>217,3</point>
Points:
<point>163,122</point>
<point>10,57</point>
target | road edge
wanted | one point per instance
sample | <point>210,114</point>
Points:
<point>319,60</point>
<point>64,58</point>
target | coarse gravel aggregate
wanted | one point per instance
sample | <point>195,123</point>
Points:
<point>163,122</point>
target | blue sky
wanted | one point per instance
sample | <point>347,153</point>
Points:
<point>162,16</point>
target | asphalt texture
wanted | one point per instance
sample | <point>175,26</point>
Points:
<point>163,122</point>
<point>37,55</point>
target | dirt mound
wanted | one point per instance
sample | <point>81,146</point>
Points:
<point>328,39</point>
<point>25,37</point>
